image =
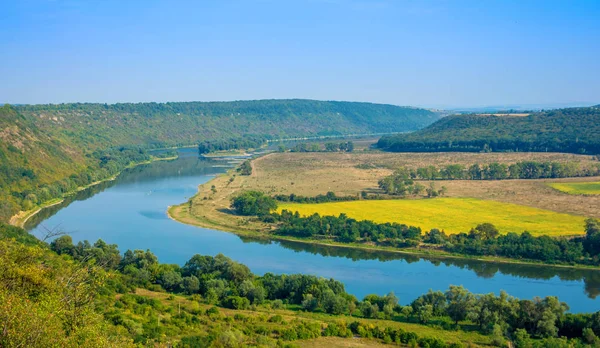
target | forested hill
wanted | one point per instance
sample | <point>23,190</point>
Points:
<point>167,124</point>
<point>49,150</point>
<point>574,130</point>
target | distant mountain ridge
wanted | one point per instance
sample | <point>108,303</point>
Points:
<point>46,150</point>
<point>573,130</point>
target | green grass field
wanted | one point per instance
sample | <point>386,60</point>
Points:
<point>577,188</point>
<point>451,214</point>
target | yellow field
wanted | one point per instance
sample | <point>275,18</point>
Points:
<point>451,214</point>
<point>577,188</point>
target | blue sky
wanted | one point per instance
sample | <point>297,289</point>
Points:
<point>426,53</point>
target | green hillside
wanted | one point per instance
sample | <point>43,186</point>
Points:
<point>91,295</point>
<point>168,124</point>
<point>49,150</point>
<point>574,130</point>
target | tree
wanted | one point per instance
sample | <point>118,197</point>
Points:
<point>460,302</point>
<point>332,303</point>
<point>190,285</point>
<point>331,147</point>
<point>485,231</point>
<point>589,336</point>
<point>349,146</point>
<point>592,236</point>
<point>310,303</point>
<point>253,203</point>
<point>63,245</point>
<point>521,339</point>
<point>424,313</point>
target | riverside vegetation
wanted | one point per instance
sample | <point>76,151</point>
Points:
<point>90,295</point>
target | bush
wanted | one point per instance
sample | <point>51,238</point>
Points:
<point>236,302</point>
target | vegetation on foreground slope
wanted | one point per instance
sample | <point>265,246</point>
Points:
<point>48,150</point>
<point>574,130</point>
<point>91,295</point>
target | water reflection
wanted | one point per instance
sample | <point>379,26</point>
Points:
<point>591,278</point>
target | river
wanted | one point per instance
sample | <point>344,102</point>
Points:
<point>131,212</point>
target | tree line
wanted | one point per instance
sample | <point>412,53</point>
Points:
<point>345,146</point>
<point>499,171</point>
<point>328,197</point>
<point>243,142</point>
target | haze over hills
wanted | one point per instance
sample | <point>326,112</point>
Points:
<point>93,141</point>
<point>575,130</point>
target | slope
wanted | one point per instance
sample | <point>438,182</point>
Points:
<point>574,130</point>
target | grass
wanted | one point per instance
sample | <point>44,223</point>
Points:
<point>451,214</point>
<point>291,314</point>
<point>577,188</point>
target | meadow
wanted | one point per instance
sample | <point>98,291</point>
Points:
<point>453,215</point>
<point>577,188</point>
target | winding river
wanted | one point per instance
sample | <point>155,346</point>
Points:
<point>131,212</point>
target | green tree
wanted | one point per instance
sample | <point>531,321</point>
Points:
<point>253,203</point>
<point>460,302</point>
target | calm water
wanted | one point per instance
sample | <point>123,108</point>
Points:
<point>131,212</point>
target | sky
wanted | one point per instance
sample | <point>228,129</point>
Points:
<point>421,53</point>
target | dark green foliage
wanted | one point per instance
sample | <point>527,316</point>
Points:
<point>400,184</point>
<point>236,302</point>
<point>346,146</point>
<point>498,171</point>
<point>245,168</point>
<point>342,228</point>
<point>245,142</point>
<point>328,197</point>
<point>105,255</point>
<point>253,203</point>
<point>574,130</point>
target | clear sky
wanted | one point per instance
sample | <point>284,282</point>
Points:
<point>426,53</point>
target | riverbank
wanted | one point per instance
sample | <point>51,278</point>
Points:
<point>21,218</point>
<point>223,220</point>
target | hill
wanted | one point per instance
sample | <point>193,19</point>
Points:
<point>186,123</point>
<point>573,130</point>
<point>47,151</point>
